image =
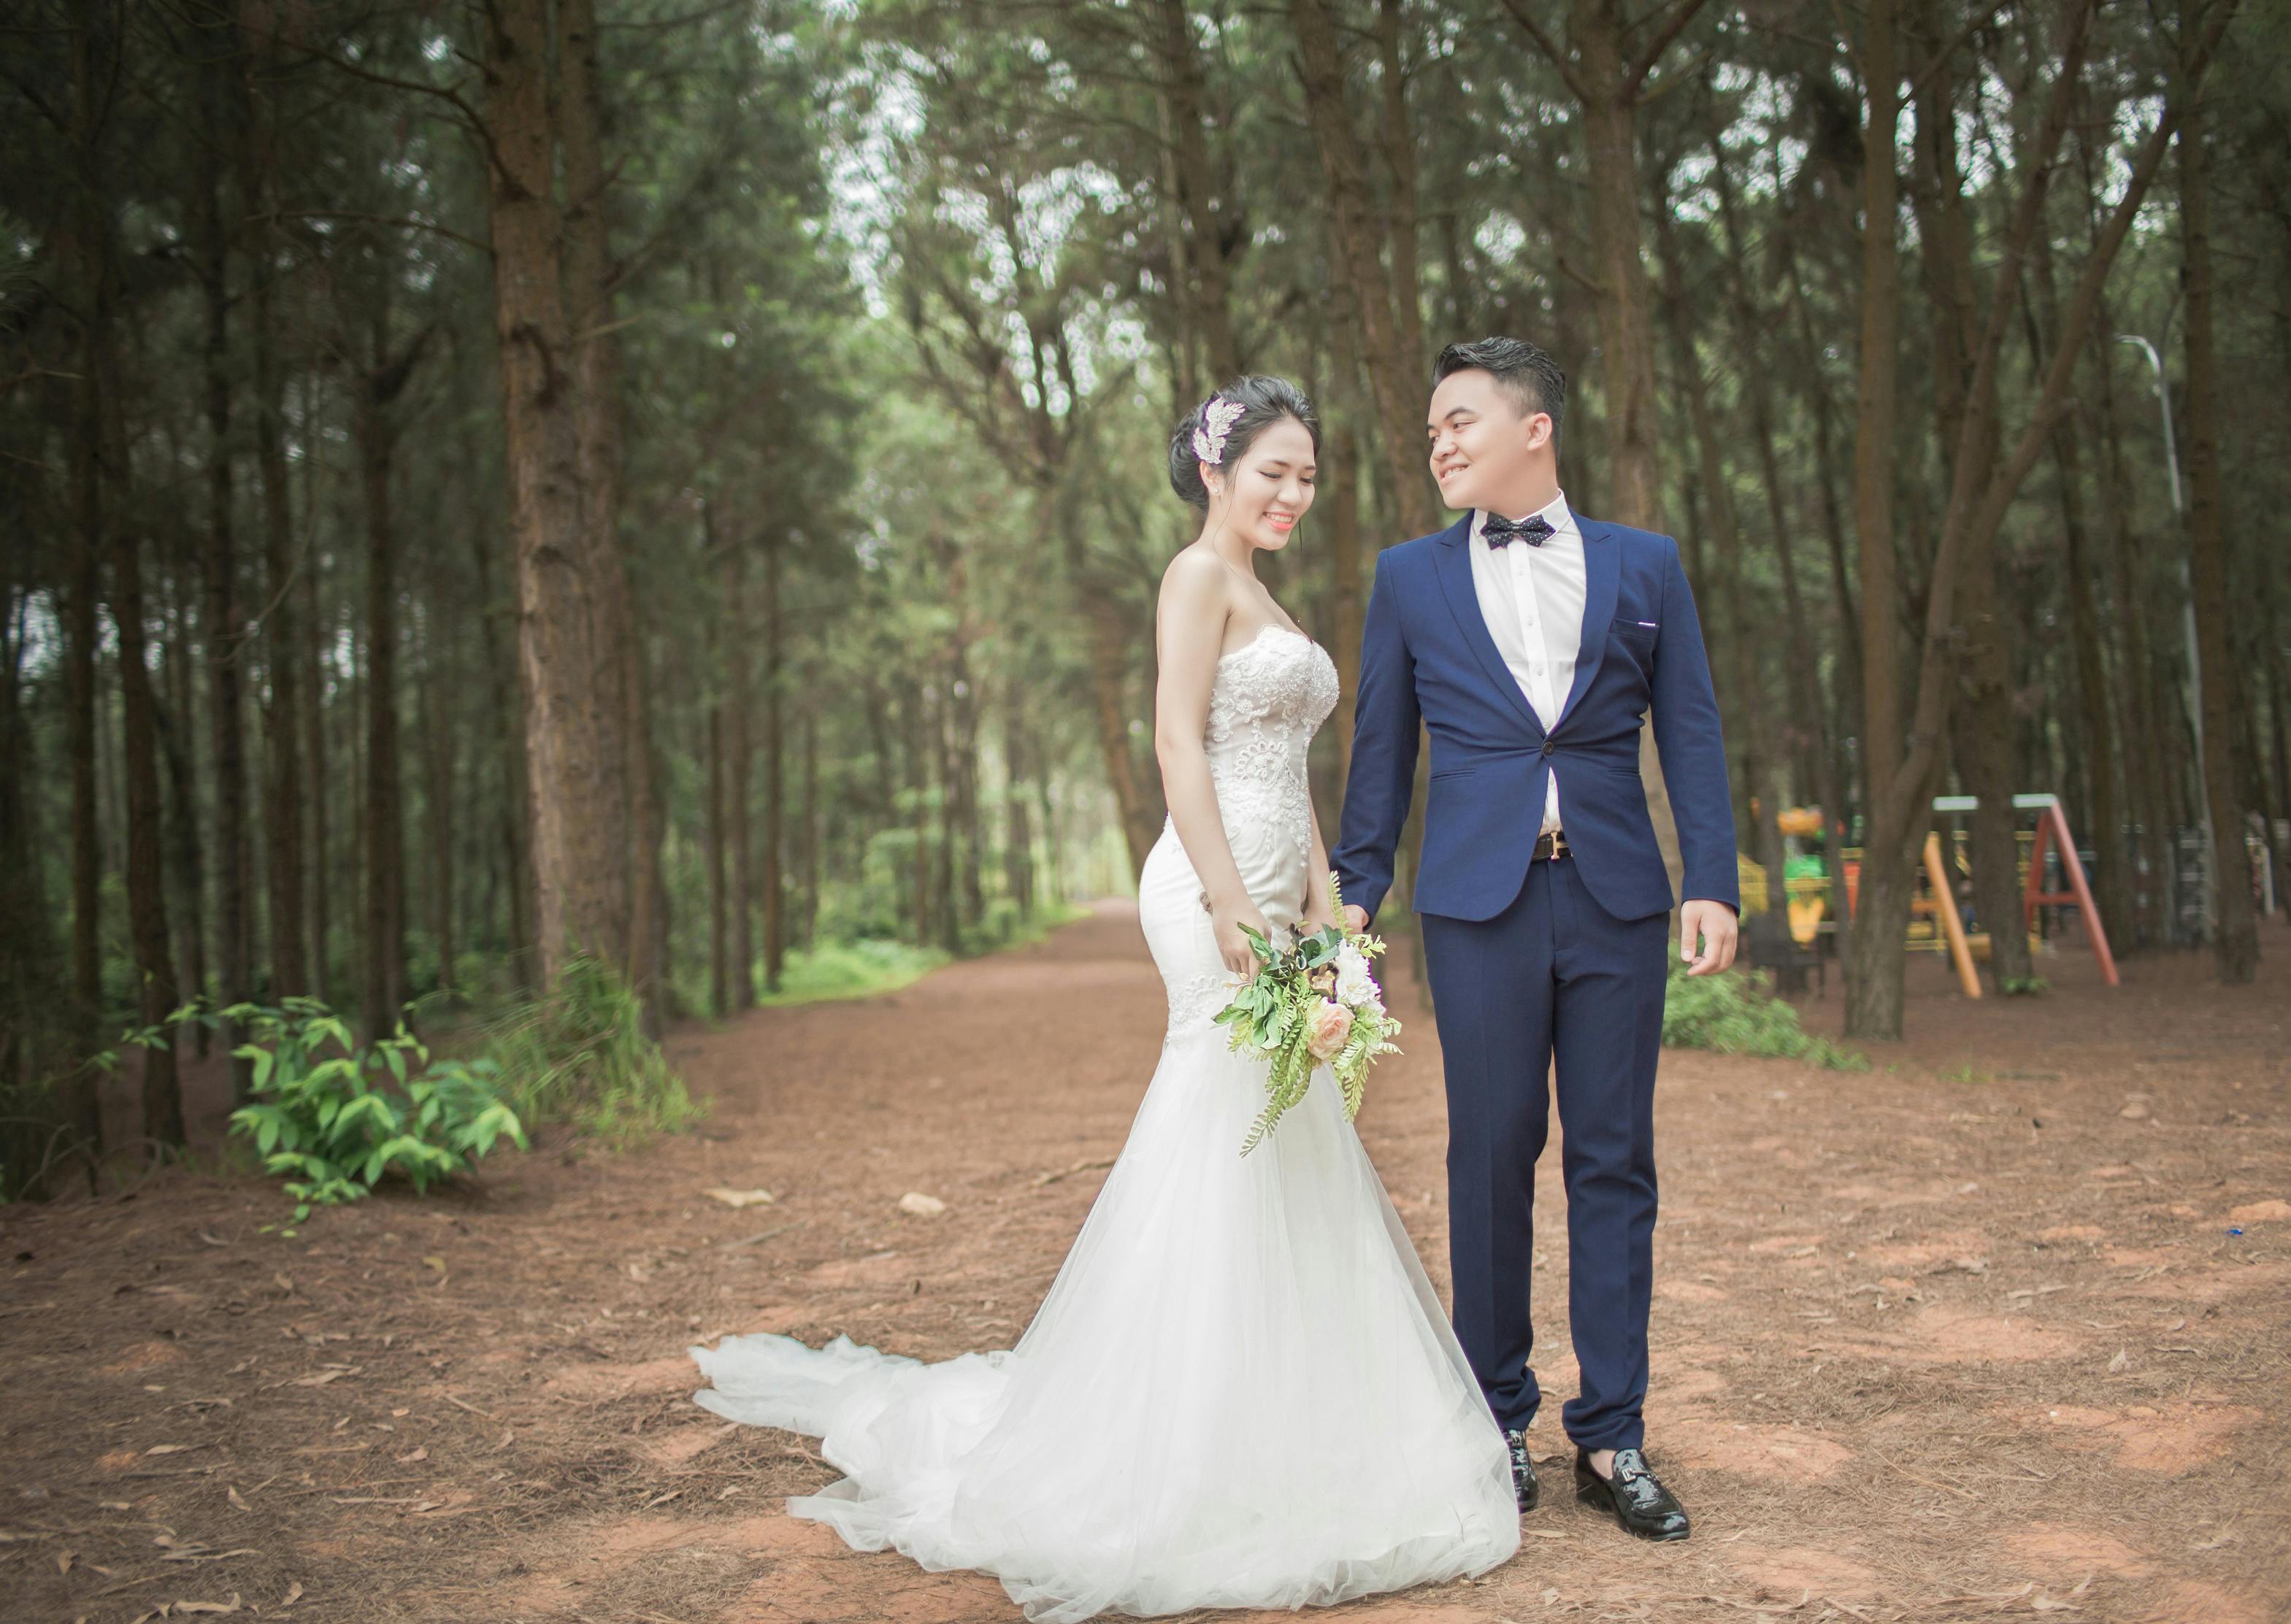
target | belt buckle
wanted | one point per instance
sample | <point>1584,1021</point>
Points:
<point>1558,842</point>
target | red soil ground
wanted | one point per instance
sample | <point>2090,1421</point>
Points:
<point>1966,1335</point>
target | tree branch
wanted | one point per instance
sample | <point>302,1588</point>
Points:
<point>1680,13</point>
<point>1523,13</point>
<point>1924,76</point>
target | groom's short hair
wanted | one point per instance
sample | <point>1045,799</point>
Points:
<point>1525,371</point>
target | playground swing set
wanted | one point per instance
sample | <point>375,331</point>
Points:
<point>1935,923</point>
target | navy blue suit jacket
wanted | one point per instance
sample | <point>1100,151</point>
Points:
<point>1425,655</point>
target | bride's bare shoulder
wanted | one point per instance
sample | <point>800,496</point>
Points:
<point>1197,585</point>
<point>1195,571</point>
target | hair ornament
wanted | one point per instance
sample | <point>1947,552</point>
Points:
<point>1219,416</point>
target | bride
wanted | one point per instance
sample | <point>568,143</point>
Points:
<point>1241,1390</point>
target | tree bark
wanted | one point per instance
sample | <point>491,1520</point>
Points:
<point>1364,290</point>
<point>569,658</point>
<point>1984,699</point>
<point>226,634</point>
<point>739,702</point>
<point>1759,778</point>
<point>589,282</point>
<point>2112,883</point>
<point>772,878</point>
<point>147,900</point>
<point>384,823</point>
<point>437,765</point>
<point>1018,823</point>
<point>718,941</point>
<point>1201,252</point>
<point>2235,943</point>
<point>1874,968</point>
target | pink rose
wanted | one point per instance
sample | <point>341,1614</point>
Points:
<point>1333,1023</point>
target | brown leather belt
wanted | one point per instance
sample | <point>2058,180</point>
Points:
<point>1554,844</point>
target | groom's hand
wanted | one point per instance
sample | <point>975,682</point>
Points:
<point>1712,926</point>
<point>1356,917</point>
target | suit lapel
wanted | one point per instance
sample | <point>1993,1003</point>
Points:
<point>1602,567</point>
<point>1452,561</point>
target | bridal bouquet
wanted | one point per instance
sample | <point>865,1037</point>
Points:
<point>1312,1003</point>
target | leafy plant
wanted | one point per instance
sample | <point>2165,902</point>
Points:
<point>579,1053</point>
<point>1736,1013</point>
<point>339,1119</point>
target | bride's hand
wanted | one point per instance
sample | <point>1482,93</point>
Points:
<point>1238,952</point>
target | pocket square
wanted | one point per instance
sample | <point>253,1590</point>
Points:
<point>1649,625</point>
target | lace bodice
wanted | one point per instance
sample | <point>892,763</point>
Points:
<point>1268,698</point>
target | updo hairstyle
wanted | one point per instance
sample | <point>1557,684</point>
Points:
<point>1264,401</point>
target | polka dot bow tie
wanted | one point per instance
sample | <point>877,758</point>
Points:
<point>1503,532</point>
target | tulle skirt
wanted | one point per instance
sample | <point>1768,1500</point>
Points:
<point>1239,1391</point>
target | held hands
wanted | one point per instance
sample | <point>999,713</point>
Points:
<point>1356,917</point>
<point>1714,925</point>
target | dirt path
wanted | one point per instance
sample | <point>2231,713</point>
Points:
<point>1967,1335</point>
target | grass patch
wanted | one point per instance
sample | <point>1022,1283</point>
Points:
<point>1736,1013</point>
<point>874,965</point>
<point>578,1055</point>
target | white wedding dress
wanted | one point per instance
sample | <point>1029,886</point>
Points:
<point>1241,1390</point>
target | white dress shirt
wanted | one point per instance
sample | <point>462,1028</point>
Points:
<point>1532,598</point>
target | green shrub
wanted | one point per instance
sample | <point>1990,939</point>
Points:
<point>339,1119</point>
<point>1736,1013</point>
<point>579,1054</point>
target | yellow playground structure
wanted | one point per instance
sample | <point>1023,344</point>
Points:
<point>1935,923</point>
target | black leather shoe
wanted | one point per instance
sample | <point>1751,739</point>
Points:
<point>1640,1503</point>
<point>1523,1472</point>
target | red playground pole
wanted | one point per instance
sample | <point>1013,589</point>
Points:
<point>2054,824</point>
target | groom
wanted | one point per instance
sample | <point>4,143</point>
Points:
<point>1529,641</point>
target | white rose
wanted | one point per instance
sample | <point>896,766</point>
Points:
<point>1354,984</point>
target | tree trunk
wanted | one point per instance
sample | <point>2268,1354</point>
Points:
<point>807,922</point>
<point>1634,424</point>
<point>589,280</point>
<point>516,787</point>
<point>1363,289</point>
<point>2112,884</point>
<point>772,877</point>
<point>1984,753</point>
<point>1200,254</point>
<point>719,982</point>
<point>1018,824</point>
<point>1349,605</point>
<point>384,844</point>
<point>147,900</point>
<point>438,763</point>
<point>2144,759</point>
<point>738,701</point>
<point>1399,232</point>
<point>185,862</point>
<point>85,256</point>
<point>568,657</point>
<point>2235,940</point>
<point>226,632</point>
<point>914,714</point>
<point>943,882</point>
<point>1875,969</point>
<point>1759,779</point>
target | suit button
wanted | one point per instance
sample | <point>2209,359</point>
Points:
<point>1548,746</point>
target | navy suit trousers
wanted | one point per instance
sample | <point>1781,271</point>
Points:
<point>1553,975</point>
